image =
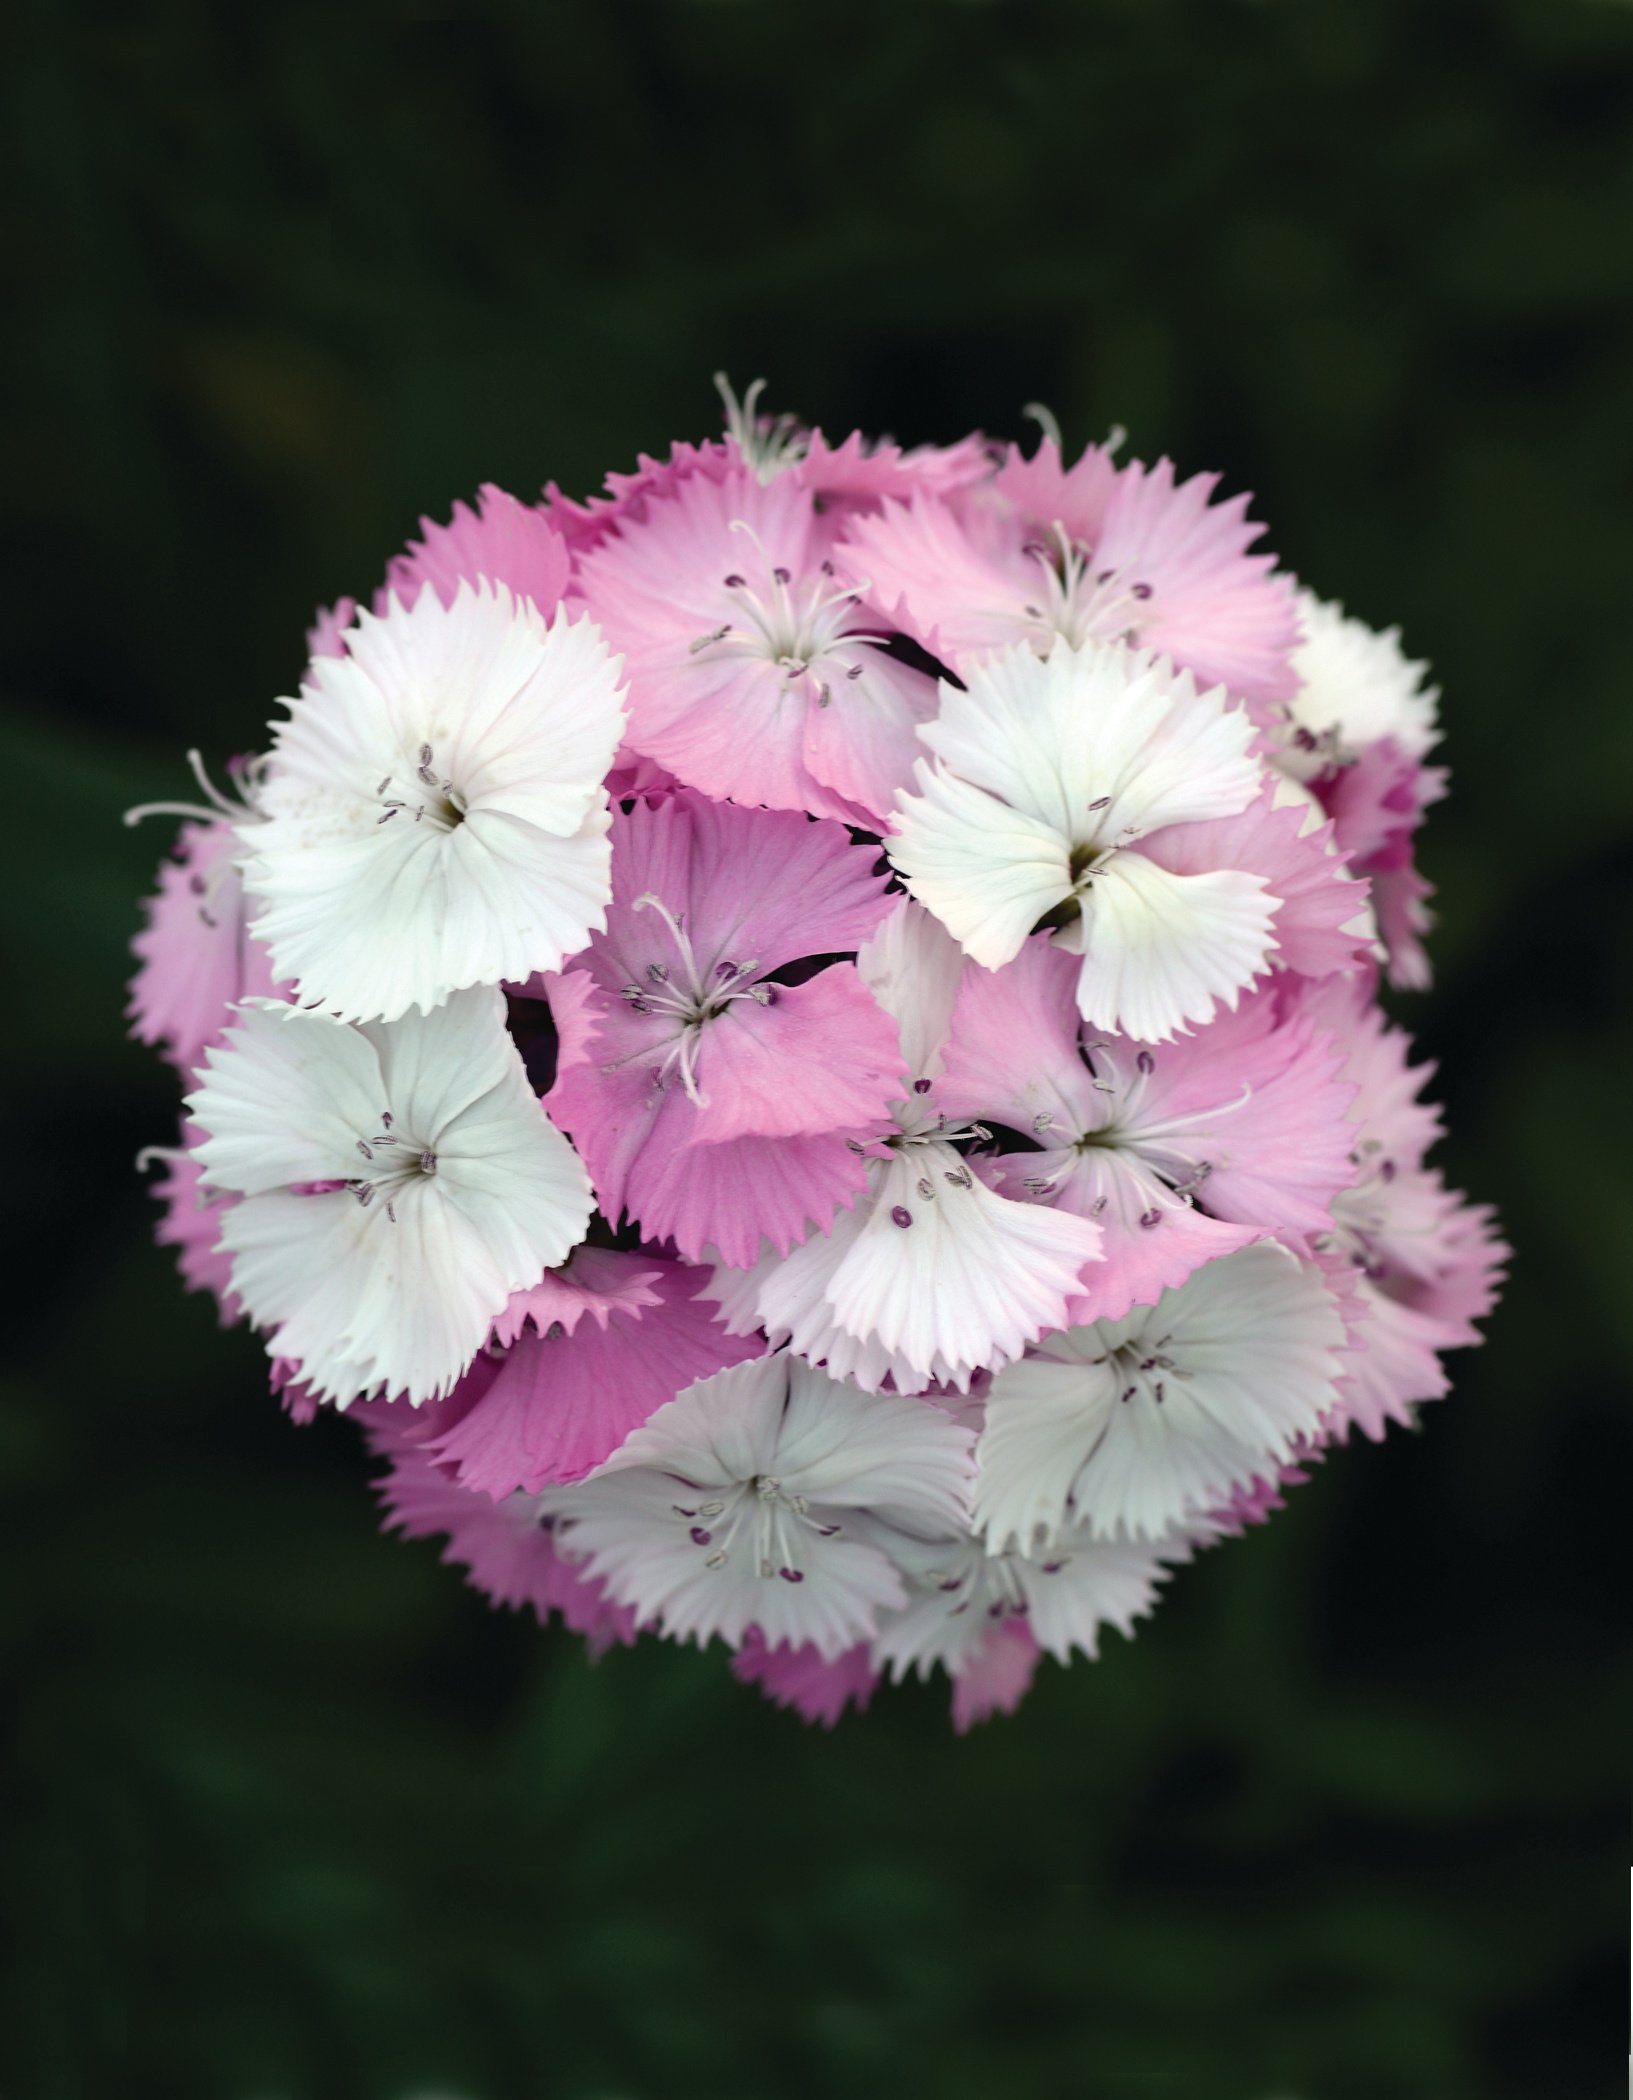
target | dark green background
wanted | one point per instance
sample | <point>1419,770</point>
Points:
<point>289,1812</point>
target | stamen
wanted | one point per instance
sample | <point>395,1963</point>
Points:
<point>901,1216</point>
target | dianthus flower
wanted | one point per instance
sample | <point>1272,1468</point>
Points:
<point>432,814</point>
<point>710,1100</point>
<point>399,1182</point>
<point>735,1506</point>
<point>1180,1151</point>
<point>1050,778</point>
<point>1043,557</point>
<point>1131,1427</point>
<point>753,672</point>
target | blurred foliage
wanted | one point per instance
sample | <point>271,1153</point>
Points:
<point>290,1815</point>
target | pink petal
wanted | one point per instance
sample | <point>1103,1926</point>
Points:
<point>801,1679</point>
<point>506,541</point>
<point>560,1403</point>
<point>997,1676</point>
<point>1317,901</point>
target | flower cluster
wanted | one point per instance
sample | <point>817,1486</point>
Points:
<point>798,1043</point>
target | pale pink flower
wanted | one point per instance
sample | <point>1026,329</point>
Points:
<point>506,1549</point>
<point>752,672</point>
<point>997,1677</point>
<point>1181,1151</point>
<point>327,634</point>
<point>753,1498</point>
<point>588,1354</point>
<point>192,1222</point>
<point>1135,1427</point>
<point>713,1102</point>
<point>801,1678</point>
<point>1041,557</point>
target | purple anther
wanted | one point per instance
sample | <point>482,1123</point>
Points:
<point>428,1162</point>
<point>855,671</point>
<point>958,1177</point>
<point>367,1154</point>
<point>782,575</point>
<point>700,1537</point>
<point>554,1332</point>
<point>386,819</point>
<point>901,1216</point>
<point>425,754</point>
<point>927,1189</point>
<point>725,971</point>
<point>766,994</point>
<point>1104,802</point>
<point>380,790</point>
<point>1157,1395</point>
<point>825,696</point>
<point>1125,1397</point>
<point>734,582</point>
<point>385,1120</point>
<point>658,972</point>
<point>425,773</point>
<point>1139,590</point>
<point>1146,1062</point>
<point>1053,1567</point>
<point>828,569</point>
<point>1386,1170</point>
<point>197,885</point>
<point>790,1574</point>
<point>1042,1120</point>
<point>921,1086</point>
<point>855,1147</point>
<point>1032,612</point>
<point>1148,1218</point>
<point>1105,575</point>
<point>1097,1206</point>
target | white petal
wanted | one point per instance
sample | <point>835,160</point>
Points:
<point>914,969</point>
<point>969,1277</point>
<point>1160,950</point>
<point>987,870</point>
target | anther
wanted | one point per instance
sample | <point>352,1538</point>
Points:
<point>1146,1062</point>
<point>707,641</point>
<point>725,971</point>
<point>855,671</point>
<point>1148,1218</point>
<point>1104,802</point>
<point>790,1574</point>
<point>425,773</point>
<point>828,569</point>
<point>927,1190</point>
<point>1139,590</point>
<point>1038,1184</point>
<point>700,1537</point>
<point>555,1332</point>
<point>734,582</point>
<point>367,1154</point>
<point>921,1086</point>
<point>711,1508</point>
<point>763,994</point>
<point>386,819</point>
<point>1126,1397</point>
<point>959,1177</point>
<point>658,972</point>
<point>1097,1206</point>
<point>901,1216</point>
<point>782,575</point>
<point>1042,1120</point>
<point>428,1162</point>
<point>855,1147</point>
<point>717,1559</point>
<point>825,697</point>
<point>380,790</point>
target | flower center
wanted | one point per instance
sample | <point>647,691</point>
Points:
<point>428,799</point>
<point>689,996</point>
<point>757,1516</point>
<point>1142,1368</point>
<point>395,1163</point>
<point>1080,603</point>
<point>799,626</point>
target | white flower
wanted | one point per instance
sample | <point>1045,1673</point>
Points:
<point>399,1182</point>
<point>1048,776</point>
<point>432,812</point>
<point>1066,1591</point>
<point>1357,686</point>
<point>1132,1426</point>
<point>737,1505</point>
<point>932,1276</point>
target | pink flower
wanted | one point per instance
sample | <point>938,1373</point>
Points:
<point>799,1677</point>
<point>507,1552</point>
<point>1096,554</point>
<point>1376,804</point>
<point>198,954</point>
<point>503,540</point>
<point>589,1354</point>
<point>1181,1151</point>
<point>752,671</point>
<point>327,634</point>
<point>715,1104</point>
